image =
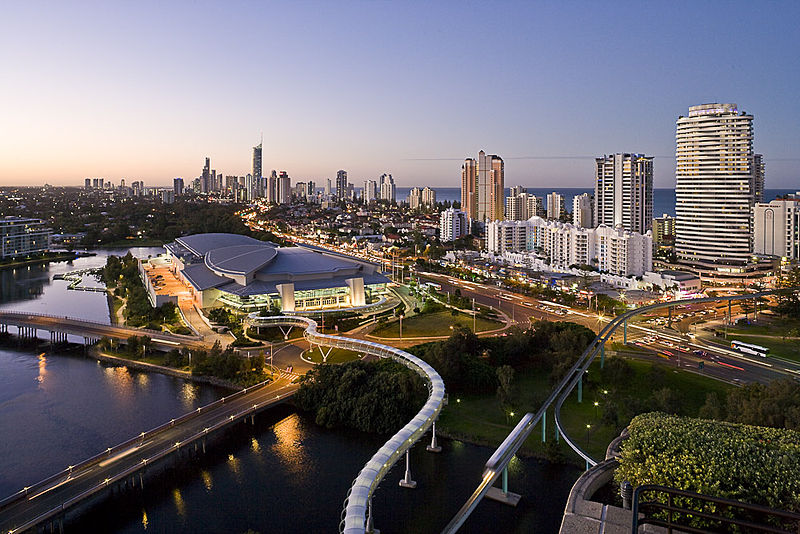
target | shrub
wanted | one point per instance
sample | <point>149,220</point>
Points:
<point>754,464</point>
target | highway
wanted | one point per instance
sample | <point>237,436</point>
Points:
<point>124,461</point>
<point>720,362</point>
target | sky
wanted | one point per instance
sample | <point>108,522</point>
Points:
<point>146,90</point>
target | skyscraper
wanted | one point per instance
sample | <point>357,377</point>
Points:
<point>341,185</point>
<point>205,178</point>
<point>469,188</point>
<point>284,188</point>
<point>491,187</point>
<point>555,205</point>
<point>257,166</point>
<point>714,189</point>
<point>582,208</point>
<point>387,188</point>
<point>272,187</point>
<point>429,197</point>
<point>453,224</point>
<point>177,186</point>
<point>758,177</point>
<point>623,191</point>
<point>415,198</point>
<point>87,183</point>
<point>370,192</point>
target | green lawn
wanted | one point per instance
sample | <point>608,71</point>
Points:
<point>336,356</point>
<point>481,418</point>
<point>434,324</point>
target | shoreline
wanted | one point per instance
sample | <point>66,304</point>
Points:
<point>56,257</point>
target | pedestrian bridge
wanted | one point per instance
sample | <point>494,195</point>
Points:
<point>123,465</point>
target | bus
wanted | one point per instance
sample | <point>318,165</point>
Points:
<point>748,348</point>
<point>433,286</point>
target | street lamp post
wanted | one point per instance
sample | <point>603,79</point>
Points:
<point>401,326</point>
<point>587,433</point>
<point>596,404</point>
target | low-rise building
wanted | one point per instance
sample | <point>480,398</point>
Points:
<point>20,237</point>
<point>776,228</point>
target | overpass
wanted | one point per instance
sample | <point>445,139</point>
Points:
<point>497,465</point>
<point>28,325</point>
<point>124,464</point>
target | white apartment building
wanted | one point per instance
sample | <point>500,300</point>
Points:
<point>582,211</point>
<point>716,175</point>
<point>387,188</point>
<point>561,245</point>
<point>429,197</point>
<point>414,198</point>
<point>623,191</point>
<point>776,228</point>
<point>370,191</point>
<point>453,224</point>
<point>555,205</point>
<point>20,236</point>
<point>522,206</point>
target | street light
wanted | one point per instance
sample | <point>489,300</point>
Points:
<point>596,404</point>
<point>401,326</point>
<point>587,433</point>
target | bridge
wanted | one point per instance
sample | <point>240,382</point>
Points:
<point>28,325</point>
<point>497,465</point>
<point>125,464</point>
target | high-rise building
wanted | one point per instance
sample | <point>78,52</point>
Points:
<point>453,224</point>
<point>167,196</point>
<point>469,188</point>
<point>87,183</point>
<point>387,188</point>
<point>300,190</point>
<point>582,211</point>
<point>522,206</point>
<point>97,183</point>
<point>177,186</point>
<point>714,190</point>
<point>555,206</point>
<point>272,187</point>
<point>257,166</point>
<point>370,192</point>
<point>664,232</point>
<point>776,228</point>
<point>311,189</point>
<point>205,178</point>
<point>491,187</point>
<point>415,198</point>
<point>623,191</point>
<point>328,188</point>
<point>429,197</point>
<point>341,185</point>
<point>758,177</point>
<point>518,190</point>
<point>284,188</point>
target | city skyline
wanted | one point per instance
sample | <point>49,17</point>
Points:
<point>151,109</point>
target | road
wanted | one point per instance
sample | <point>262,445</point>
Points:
<point>720,362</point>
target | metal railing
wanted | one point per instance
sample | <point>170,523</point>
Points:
<point>710,514</point>
<point>359,495</point>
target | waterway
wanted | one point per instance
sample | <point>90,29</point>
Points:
<point>283,474</point>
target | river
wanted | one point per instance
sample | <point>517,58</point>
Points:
<point>283,474</point>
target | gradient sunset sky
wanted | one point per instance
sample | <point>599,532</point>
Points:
<point>146,90</point>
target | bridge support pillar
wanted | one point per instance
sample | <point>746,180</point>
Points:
<point>556,430</point>
<point>370,525</point>
<point>502,495</point>
<point>544,426</point>
<point>603,355</point>
<point>669,320</point>
<point>580,388</point>
<point>625,331</point>
<point>406,482</point>
<point>433,447</point>
<point>730,313</point>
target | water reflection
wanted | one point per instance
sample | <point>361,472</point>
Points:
<point>289,435</point>
<point>255,446</point>
<point>189,394</point>
<point>42,368</point>
<point>145,522</point>
<point>207,481</point>
<point>235,466</point>
<point>121,381</point>
<point>180,506</point>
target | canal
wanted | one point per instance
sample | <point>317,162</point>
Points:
<point>282,474</point>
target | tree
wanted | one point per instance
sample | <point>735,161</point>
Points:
<point>505,389</point>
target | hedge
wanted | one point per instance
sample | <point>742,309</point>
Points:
<point>754,464</point>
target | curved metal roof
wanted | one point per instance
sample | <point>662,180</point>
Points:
<point>240,259</point>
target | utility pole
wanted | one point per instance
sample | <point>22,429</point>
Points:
<point>474,318</point>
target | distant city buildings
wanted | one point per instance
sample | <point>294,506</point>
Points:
<point>205,177</point>
<point>483,187</point>
<point>555,206</point>
<point>177,186</point>
<point>562,245</point>
<point>387,188</point>
<point>429,197</point>
<point>20,237</point>
<point>716,178</point>
<point>257,167</point>
<point>341,185</point>
<point>522,205</point>
<point>421,198</point>
<point>583,211</point>
<point>623,191</point>
<point>776,227</point>
<point>370,192</point>
<point>453,224</point>
<point>284,192</point>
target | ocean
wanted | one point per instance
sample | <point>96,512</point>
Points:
<point>663,199</point>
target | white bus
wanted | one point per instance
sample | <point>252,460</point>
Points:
<point>748,348</point>
<point>433,286</point>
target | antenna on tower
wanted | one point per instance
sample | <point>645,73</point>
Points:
<point>262,139</point>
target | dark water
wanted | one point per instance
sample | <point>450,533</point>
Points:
<point>282,475</point>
